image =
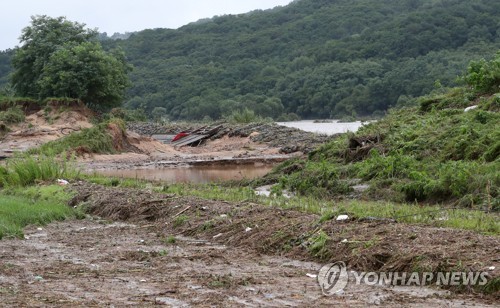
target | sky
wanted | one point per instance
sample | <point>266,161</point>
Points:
<point>121,16</point>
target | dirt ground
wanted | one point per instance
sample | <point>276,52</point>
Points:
<point>156,249</point>
<point>96,263</point>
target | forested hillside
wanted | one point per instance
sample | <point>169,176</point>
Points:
<point>315,58</point>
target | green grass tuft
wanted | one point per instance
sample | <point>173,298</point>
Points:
<point>35,206</point>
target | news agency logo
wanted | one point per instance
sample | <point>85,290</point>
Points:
<point>333,278</point>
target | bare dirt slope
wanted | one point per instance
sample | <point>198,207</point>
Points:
<point>45,125</point>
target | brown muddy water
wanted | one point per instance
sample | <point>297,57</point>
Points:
<point>193,174</point>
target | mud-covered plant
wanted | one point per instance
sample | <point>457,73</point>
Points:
<point>317,244</point>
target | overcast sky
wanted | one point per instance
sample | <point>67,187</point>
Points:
<point>120,15</point>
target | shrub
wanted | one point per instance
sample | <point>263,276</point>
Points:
<point>12,115</point>
<point>484,76</point>
<point>244,116</point>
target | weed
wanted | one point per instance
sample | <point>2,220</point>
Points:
<point>180,220</point>
<point>317,245</point>
<point>38,206</point>
<point>28,170</point>
<point>170,239</point>
<point>12,115</point>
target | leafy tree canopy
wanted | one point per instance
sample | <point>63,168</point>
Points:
<point>62,58</point>
<point>313,58</point>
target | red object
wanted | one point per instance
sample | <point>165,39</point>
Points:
<point>180,135</point>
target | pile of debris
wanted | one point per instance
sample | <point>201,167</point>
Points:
<point>287,139</point>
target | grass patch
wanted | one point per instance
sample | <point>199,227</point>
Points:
<point>33,206</point>
<point>180,220</point>
<point>29,170</point>
<point>89,140</point>
<point>245,116</point>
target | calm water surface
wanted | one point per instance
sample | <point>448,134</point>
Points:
<point>193,174</point>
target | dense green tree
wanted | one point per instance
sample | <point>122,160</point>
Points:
<point>45,36</point>
<point>86,72</point>
<point>62,58</point>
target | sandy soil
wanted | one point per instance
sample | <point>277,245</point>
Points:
<point>42,127</point>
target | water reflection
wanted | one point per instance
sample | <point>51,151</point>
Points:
<point>193,174</point>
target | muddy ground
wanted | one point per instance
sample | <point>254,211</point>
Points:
<point>150,249</point>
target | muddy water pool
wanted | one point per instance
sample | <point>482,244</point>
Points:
<point>193,174</point>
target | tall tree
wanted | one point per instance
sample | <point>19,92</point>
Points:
<point>63,58</point>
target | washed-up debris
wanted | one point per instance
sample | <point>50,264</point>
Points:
<point>248,229</point>
<point>62,182</point>
<point>287,139</point>
<point>342,217</point>
<point>470,108</point>
<point>344,241</point>
<point>311,275</point>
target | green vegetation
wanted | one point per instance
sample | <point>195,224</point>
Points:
<point>484,76</point>
<point>97,139</point>
<point>62,58</point>
<point>12,115</point>
<point>33,206</point>
<point>29,170</point>
<point>433,153</point>
<point>244,116</point>
<point>314,58</point>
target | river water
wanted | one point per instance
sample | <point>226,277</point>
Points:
<point>199,174</point>
<point>330,128</point>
